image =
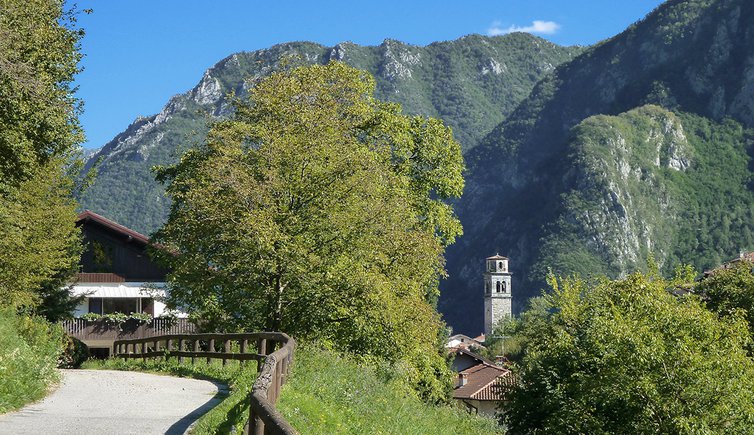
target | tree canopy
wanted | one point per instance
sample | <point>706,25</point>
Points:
<point>319,211</point>
<point>730,291</point>
<point>39,134</point>
<point>627,356</point>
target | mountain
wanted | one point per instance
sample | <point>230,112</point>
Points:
<point>639,147</point>
<point>471,83</point>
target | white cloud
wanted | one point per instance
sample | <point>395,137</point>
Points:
<point>537,26</point>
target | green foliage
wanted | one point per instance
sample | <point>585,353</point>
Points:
<point>29,350</point>
<point>730,292</point>
<point>39,132</point>
<point>339,394</point>
<point>626,356</point>
<point>117,319</point>
<point>319,211</point>
<point>652,183</point>
<point>75,352</point>
<point>501,341</point>
<point>38,60</point>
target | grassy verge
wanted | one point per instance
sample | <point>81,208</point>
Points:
<point>327,394</point>
<point>231,412</point>
<point>333,394</point>
<point>29,351</point>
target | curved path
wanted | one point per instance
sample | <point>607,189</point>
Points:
<point>106,401</point>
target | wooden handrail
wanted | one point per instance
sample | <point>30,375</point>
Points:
<point>273,368</point>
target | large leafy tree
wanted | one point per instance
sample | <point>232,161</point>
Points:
<point>627,356</point>
<point>319,211</point>
<point>730,291</point>
<point>39,134</point>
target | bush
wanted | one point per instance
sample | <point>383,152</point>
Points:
<point>29,350</point>
<point>626,356</point>
<point>75,352</point>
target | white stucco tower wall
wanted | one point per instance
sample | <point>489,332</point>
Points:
<point>497,292</point>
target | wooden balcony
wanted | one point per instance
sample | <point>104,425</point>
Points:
<point>101,334</point>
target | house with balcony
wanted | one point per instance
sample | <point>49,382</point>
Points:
<point>118,276</point>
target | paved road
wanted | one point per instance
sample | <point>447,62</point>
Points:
<point>113,402</point>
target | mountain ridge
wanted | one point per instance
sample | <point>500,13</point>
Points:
<point>692,56</point>
<point>471,83</point>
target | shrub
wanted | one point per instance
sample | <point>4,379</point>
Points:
<point>74,353</point>
<point>29,350</point>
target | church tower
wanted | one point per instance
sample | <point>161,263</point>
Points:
<point>497,292</point>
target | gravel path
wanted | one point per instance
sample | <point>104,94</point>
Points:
<point>106,401</point>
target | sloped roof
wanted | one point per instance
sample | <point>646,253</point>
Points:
<point>497,257</point>
<point>484,382</point>
<point>114,226</point>
<point>475,356</point>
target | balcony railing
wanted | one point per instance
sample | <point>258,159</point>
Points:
<point>101,329</point>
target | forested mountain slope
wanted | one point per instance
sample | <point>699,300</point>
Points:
<point>471,83</point>
<point>666,171</point>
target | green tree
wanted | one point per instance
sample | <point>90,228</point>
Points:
<point>730,291</point>
<point>626,356</point>
<point>319,211</point>
<point>39,134</point>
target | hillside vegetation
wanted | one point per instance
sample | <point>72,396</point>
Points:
<point>336,394</point>
<point>471,83</point>
<point>581,192</point>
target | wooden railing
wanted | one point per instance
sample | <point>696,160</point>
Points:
<point>273,366</point>
<point>101,330</point>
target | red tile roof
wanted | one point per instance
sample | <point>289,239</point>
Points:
<point>484,382</point>
<point>98,277</point>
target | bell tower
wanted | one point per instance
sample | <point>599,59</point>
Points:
<point>497,292</point>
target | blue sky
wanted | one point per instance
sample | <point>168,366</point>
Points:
<point>139,53</point>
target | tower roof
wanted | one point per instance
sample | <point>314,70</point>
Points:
<point>497,257</point>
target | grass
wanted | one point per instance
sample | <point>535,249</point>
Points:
<point>335,394</point>
<point>29,351</point>
<point>326,394</point>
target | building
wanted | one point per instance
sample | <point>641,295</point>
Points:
<point>742,257</point>
<point>117,276</point>
<point>116,272</point>
<point>497,292</point>
<point>462,341</point>
<point>480,384</point>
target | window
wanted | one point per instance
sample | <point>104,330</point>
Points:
<point>500,265</point>
<point>95,305</point>
<point>120,305</point>
<point>504,287</point>
<point>499,286</point>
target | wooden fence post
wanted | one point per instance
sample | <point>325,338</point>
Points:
<point>226,349</point>
<point>262,350</point>
<point>196,349</point>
